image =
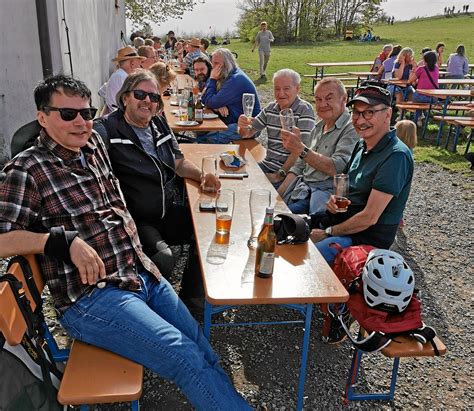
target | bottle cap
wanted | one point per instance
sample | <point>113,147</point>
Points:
<point>269,210</point>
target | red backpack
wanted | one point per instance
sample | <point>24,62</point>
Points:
<point>381,325</point>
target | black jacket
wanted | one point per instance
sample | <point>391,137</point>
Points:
<point>147,183</point>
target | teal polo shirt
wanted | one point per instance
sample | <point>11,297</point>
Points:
<point>388,168</point>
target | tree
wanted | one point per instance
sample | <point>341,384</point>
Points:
<point>140,12</point>
<point>306,20</point>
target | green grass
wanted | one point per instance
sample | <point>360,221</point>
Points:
<point>415,34</point>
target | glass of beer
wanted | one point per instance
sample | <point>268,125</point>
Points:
<point>224,211</point>
<point>209,166</point>
<point>183,109</point>
<point>341,191</point>
<point>287,119</point>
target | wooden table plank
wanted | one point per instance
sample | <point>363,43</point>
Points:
<point>215,124</point>
<point>301,275</point>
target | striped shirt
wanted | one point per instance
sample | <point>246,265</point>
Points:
<point>47,186</point>
<point>269,118</point>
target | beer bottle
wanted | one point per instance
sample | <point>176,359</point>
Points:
<point>190,106</point>
<point>266,242</point>
<point>199,110</point>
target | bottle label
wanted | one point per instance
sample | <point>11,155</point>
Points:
<point>266,263</point>
<point>198,114</point>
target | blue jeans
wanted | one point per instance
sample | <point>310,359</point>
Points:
<point>220,137</point>
<point>154,328</point>
<point>315,203</point>
<point>329,253</point>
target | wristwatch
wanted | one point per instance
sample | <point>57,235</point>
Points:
<point>304,153</point>
<point>328,231</point>
<point>282,172</point>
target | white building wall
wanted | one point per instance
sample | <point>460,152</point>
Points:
<point>20,67</point>
<point>94,36</point>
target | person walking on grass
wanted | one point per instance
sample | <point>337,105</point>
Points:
<point>262,41</point>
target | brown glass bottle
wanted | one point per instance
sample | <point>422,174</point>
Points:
<point>266,243</point>
<point>199,110</point>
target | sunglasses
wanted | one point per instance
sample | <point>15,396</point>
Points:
<point>69,114</point>
<point>141,95</point>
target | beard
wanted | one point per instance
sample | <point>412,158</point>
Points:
<point>201,78</point>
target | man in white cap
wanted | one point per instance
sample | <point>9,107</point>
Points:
<point>127,60</point>
<point>194,53</point>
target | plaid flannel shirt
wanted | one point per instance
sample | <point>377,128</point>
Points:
<point>48,186</point>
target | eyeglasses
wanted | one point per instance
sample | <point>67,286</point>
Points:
<point>141,95</point>
<point>69,114</point>
<point>367,114</point>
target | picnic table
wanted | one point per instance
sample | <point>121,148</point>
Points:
<point>319,67</point>
<point>301,276</point>
<point>170,111</point>
<point>448,95</point>
<point>362,75</point>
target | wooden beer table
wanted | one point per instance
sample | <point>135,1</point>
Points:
<point>215,124</point>
<point>301,276</point>
<point>448,95</point>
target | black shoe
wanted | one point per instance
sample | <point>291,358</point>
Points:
<point>337,334</point>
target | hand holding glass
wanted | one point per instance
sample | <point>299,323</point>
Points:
<point>341,191</point>
<point>259,201</point>
<point>287,119</point>
<point>209,166</point>
<point>248,103</point>
<point>224,211</point>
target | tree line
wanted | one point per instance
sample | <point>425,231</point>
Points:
<point>307,20</point>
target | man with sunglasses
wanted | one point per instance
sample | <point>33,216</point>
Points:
<point>147,160</point>
<point>380,174</point>
<point>60,200</point>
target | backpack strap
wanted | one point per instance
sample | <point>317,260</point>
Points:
<point>374,342</point>
<point>431,78</point>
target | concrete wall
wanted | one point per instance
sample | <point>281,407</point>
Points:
<point>94,37</point>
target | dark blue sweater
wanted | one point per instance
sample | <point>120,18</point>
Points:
<point>230,95</point>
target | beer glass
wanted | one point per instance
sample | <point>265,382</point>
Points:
<point>287,119</point>
<point>224,211</point>
<point>341,191</point>
<point>209,166</point>
<point>183,108</point>
<point>248,103</point>
<point>259,200</point>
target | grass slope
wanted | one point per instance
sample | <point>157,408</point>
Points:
<point>416,34</point>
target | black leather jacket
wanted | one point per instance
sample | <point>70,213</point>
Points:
<point>147,183</point>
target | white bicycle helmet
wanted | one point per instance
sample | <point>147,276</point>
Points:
<point>388,281</point>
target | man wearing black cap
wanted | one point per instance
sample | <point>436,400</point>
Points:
<point>380,173</point>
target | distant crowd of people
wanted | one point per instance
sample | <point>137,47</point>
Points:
<point>449,11</point>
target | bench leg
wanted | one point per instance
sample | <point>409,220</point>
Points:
<point>351,395</point>
<point>469,141</point>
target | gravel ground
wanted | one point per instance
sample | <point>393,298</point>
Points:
<point>264,361</point>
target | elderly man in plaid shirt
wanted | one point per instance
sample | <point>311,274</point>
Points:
<point>60,199</point>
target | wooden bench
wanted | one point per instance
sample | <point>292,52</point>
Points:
<point>458,122</point>
<point>92,375</point>
<point>458,106</point>
<point>401,347</point>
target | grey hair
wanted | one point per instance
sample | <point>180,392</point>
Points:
<point>230,64</point>
<point>332,80</point>
<point>295,77</point>
<point>138,41</point>
<point>131,82</point>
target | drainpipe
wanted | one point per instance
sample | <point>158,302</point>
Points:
<point>44,40</point>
